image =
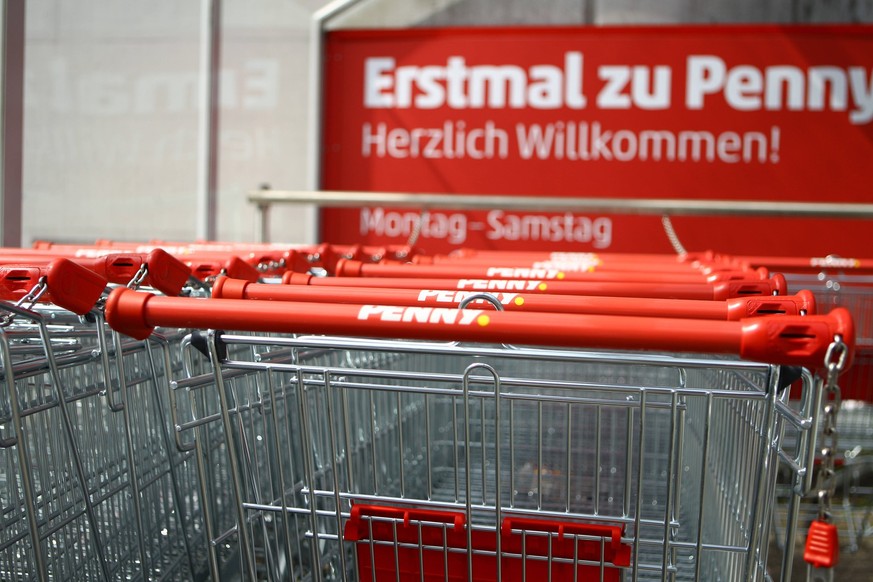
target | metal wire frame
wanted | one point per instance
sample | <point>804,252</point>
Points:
<point>683,459</point>
<point>92,488</point>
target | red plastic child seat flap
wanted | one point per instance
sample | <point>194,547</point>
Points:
<point>432,545</point>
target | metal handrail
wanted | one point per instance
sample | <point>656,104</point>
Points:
<point>264,199</point>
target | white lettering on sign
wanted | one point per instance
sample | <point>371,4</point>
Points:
<point>550,86</point>
<point>499,284</point>
<point>566,227</point>
<point>458,296</point>
<point>586,141</point>
<point>428,315</point>
<point>450,141</point>
<point>433,225</point>
<point>642,94</point>
<point>459,86</point>
<point>780,87</point>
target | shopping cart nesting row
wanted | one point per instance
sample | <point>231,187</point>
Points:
<point>285,452</point>
<point>93,488</point>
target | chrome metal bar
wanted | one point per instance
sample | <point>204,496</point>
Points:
<point>265,199</point>
<point>320,18</point>
<point>12,121</point>
<point>654,206</point>
<point>207,142</point>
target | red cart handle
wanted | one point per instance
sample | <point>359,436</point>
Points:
<point>351,268</point>
<point>68,284</point>
<point>732,309</point>
<point>720,291</point>
<point>792,340</point>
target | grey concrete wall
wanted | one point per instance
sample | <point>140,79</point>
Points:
<point>111,107</point>
<point>111,120</point>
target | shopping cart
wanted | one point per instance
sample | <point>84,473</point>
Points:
<point>847,283</point>
<point>93,486</point>
<point>385,459</point>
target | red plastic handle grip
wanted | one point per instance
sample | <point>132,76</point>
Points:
<point>593,263</point>
<point>732,309</point>
<point>17,281</point>
<point>203,268</point>
<point>117,268</point>
<point>715,291</point>
<point>778,340</point>
<point>801,303</point>
<point>350,268</point>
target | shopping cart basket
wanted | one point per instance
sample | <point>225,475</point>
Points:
<point>380,459</point>
<point>847,283</point>
<point>93,487</point>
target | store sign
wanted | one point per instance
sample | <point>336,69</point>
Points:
<point>724,113</point>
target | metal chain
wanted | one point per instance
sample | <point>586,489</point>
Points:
<point>28,300</point>
<point>416,228</point>
<point>835,361</point>
<point>138,277</point>
<point>672,236</point>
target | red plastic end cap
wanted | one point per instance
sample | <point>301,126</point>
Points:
<point>348,268</point>
<point>16,282</point>
<point>167,274</point>
<point>237,268</point>
<point>806,301</point>
<point>762,305</point>
<point>844,326</point>
<point>227,288</point>
<point>796,340</point>
<point>74,287</point>
<point>125,312</point>
<point>122,266</point>
<point>297,261</point>
<point>290,278</point>
<point>780,285</point>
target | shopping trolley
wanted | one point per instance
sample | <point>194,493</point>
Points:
<point>93,486</point>
<point>848,283</point>
<point>385,458</point>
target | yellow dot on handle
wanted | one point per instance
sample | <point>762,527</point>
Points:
<point>561,275</point>
<point>519,301</point>
<point>483,320</point>
<point>542,286</point>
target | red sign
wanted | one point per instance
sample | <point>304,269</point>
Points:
<point>733,113</point>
